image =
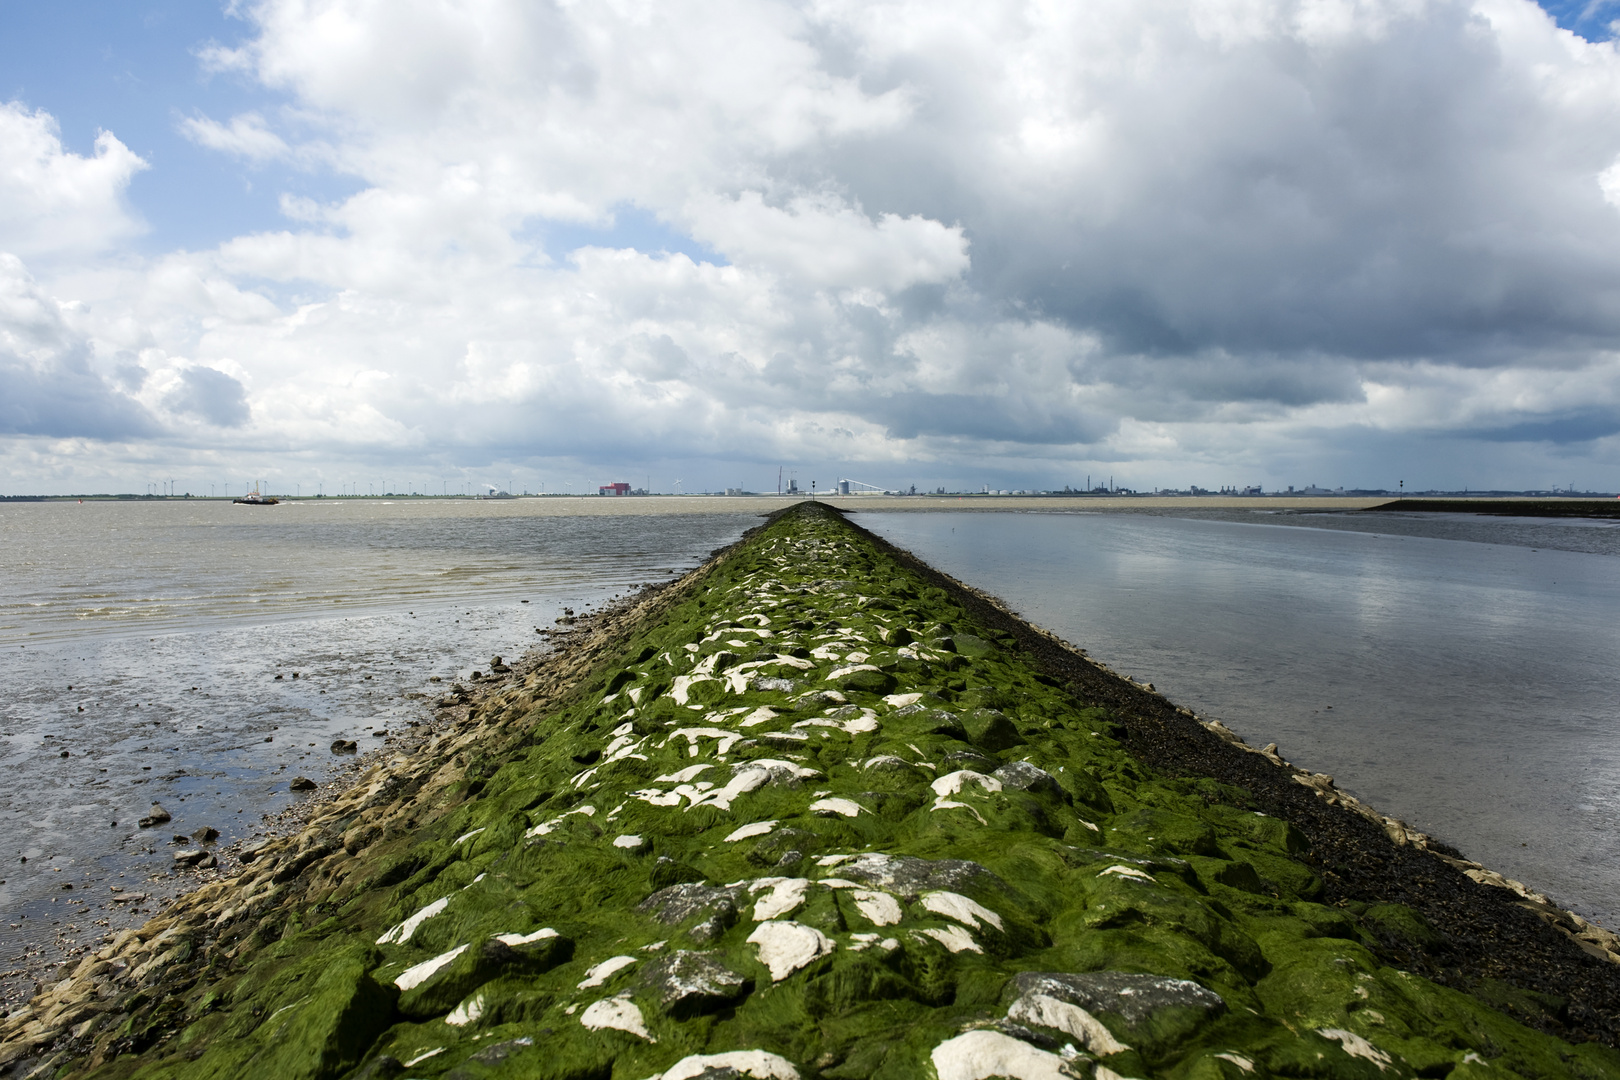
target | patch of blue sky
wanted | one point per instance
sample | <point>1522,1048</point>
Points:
<point>130,67</point>
<point>1591,19</point>
<point>632,227</point>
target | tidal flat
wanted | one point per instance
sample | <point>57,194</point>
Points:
<point>818,810</point>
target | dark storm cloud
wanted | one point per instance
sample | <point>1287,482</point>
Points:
<point>66,399</point>
<point>211,396</point>
<point>1574,426</point>
<point>1015,418</point>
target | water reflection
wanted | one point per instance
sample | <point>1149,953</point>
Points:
<point>1472,684</point>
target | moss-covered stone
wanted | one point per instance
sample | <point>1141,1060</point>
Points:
<point>816,818</point>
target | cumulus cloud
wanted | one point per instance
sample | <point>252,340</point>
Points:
<point>57,203</point>
<point>48,385</point>
<point>1171,232</point>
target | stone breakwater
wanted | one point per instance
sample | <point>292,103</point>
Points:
<point>817,811</point>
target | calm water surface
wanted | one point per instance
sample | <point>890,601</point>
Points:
<point>1473,678</point>
<point>154,645</point>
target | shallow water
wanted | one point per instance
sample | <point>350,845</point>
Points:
<point>155,644</point>
<point>1472,679</point>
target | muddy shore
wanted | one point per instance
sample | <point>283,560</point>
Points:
<point>1495,939</point>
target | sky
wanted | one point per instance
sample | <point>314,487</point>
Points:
<point>430,245</point>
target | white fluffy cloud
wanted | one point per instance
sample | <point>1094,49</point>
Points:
<point>55,203</point>
<point>1167,235</point>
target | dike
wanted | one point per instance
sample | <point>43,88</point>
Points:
<point>819,811</point>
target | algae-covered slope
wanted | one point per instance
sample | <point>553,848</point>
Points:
<point>814,821</point>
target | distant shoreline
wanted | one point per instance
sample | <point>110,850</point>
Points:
<point>1572,507</point>
<point>1583,505</point>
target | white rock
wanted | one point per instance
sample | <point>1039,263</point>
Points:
<point>958,907</point>
<point>1103,1072</point>
<point>424,1055</point>
<point>683,685</point>
<point>979,1055</point>
<point>953,938</point>
<point>759,716</point>
<point>629,840</point>
<point>686,775</point>
<point>1044,1011</point>
<point>727,738</point>
<point>850,669</point>
<point>1356,1046</point>
<point>617,1013</point>
<point>756,1063</point>
<point>758,828</point>
<point>546,826</point>
<point>604,971</point>
<point>1237,1059</point>
<point>1128,872</point>
<point>900,701</point>
<point>741,783</point>
<point>421,973</point>
<point>467,1011</point>
<point>862,724</point>
<point>832,806</point>
<point>785,947</point>
<point>400,934</point>
<point>880,908</point>
<point>951,783</point>
<point>659,797</point>
<point>466,836</point>
<point>515,940</point>
<point>948,804</point>
<point>753,775</point>
<point>785,897</point>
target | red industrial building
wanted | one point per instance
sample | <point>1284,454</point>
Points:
<point>613,489</point>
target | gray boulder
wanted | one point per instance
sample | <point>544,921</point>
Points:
<point>688,984</point>
<point>1147,1011</point>
<point>1023,776</point>
<point>156,816</point>
<point>714,906</point>
<point>910,877</point>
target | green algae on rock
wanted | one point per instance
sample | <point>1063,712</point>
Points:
<point>812,820</point>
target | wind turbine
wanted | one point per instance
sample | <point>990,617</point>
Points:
<point>678,490</point>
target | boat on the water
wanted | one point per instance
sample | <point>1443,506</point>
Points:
<point>253,498</point>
